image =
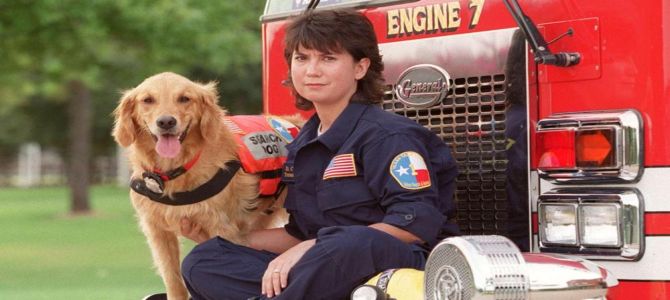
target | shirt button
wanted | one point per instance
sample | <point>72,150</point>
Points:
<point>409,217</point>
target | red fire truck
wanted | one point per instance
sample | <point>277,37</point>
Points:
<point>557,114</point>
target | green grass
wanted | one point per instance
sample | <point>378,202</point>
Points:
<point>46,254</point>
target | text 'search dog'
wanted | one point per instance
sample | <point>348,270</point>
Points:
<point>190,160</point>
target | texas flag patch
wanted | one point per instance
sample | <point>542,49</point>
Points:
<point>410,171</point>
<point>342,165</point>
<point>283,128</point>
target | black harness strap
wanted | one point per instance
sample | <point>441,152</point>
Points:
<point>203,192</point>
<point>270,174</point>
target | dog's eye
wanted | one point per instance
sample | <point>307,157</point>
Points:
<point>148,100</point>
<point>184,99</point>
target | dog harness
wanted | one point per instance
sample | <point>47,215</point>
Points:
<point>262,151</point>
<point>262,147</point>
<point>152,184</point>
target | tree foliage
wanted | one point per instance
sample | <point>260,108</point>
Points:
<point>61,57</point>
<point>111,45</point>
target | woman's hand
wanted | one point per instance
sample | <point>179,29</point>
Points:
<point>276,276</point>
<point>192,231</point>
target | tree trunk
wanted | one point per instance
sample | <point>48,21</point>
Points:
<point>79,145</point>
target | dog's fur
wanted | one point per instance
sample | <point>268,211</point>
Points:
<point>232,213</point>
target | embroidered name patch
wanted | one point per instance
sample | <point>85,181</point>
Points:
<point>410,171</point>
<point>288,171</point>
<point>283,128</point>
<point>342,165</point>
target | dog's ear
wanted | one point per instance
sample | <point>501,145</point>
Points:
<point>210,121</point>
<point>124,126</point>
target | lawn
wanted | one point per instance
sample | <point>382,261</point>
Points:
<point>46,254</point>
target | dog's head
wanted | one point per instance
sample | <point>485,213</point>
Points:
<point>170,109</point>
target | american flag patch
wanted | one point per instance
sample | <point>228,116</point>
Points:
<point>342,165</point>
<point>232,126</point>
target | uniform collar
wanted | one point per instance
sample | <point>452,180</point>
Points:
<point>307,134</point>
<point>345,123</point>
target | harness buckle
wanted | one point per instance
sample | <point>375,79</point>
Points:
<point>153,182</point>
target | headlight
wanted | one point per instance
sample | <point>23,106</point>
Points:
<point>599,225</point>
<point>603,223</point>
<point>559,224</point>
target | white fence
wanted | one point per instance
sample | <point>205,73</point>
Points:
<point>35,166</point>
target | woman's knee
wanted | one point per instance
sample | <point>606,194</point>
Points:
<point>368,245</point>
<point>200,252</point>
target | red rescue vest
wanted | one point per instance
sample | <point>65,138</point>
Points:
<point>262,146</point>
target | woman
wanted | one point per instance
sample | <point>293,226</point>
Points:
<point>367,190</point>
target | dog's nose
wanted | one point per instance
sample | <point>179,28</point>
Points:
<point>166,122</point>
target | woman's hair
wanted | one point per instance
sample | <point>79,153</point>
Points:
<point>337,31</point>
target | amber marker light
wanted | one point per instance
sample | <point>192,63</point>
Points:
<point>595,148</point>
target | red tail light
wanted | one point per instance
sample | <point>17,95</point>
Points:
<point>581,148</point>
<point>599,146</point>
<point>556,149</point>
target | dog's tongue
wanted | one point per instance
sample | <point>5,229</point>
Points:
<point>168,146</point>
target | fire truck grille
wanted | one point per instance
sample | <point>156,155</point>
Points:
<point>471,120</point>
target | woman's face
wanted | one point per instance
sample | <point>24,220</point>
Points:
<point>326,78</point>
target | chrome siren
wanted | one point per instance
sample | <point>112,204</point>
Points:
<point>492,267</point>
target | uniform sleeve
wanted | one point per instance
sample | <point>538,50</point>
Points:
<point>397,169</point>
<point>292,228</point>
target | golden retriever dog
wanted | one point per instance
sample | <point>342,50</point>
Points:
<point>171,123</point>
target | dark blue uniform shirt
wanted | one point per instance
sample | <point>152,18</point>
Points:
<point>370,166</point>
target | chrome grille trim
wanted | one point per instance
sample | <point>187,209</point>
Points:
<point>471,120</point>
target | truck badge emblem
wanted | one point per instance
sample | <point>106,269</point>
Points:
<point>422,85</point>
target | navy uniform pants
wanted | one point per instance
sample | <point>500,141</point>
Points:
<point>341,259</point>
